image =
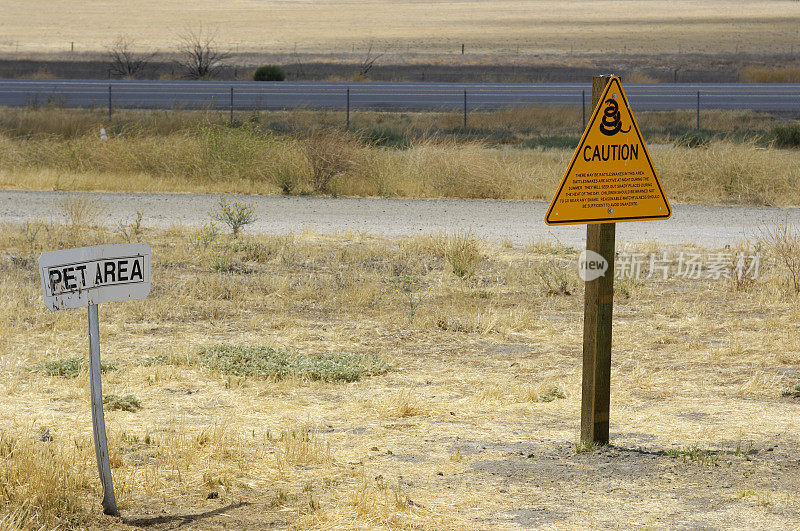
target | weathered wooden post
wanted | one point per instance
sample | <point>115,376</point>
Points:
<point>597,322</point>
<point>610,179</point>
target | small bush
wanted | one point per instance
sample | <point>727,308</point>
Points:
<point>71,367</point>
<point>269,363</point>
<point>329,153</point>
<point>269,73</point>
<point>463,253</point>
<point>234,214</point>
<point>82,209</point>
<point>122,403</point>
<point>783,242</point>
<point>787,136</point>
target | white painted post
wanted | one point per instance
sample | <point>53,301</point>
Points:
<point>98,419</point>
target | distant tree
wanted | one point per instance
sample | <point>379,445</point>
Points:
<point>200,58</point>
<point>124,61</point>
<point>368,62</point>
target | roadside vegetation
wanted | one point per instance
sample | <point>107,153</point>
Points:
<point>737,158</point>
<point>330,381</point>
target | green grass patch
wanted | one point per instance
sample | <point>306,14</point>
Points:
<point>787,136</point>
<point>71,367</point>
<point>552,142</point>
<point>122,403</point>
<point>793,391</point>
<point>385,137</point>
<point>274,364</point>
<point>695,454</point>
<point>585,446</point>
<point>552,394</point>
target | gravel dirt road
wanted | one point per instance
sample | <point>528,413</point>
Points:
<point>520,221</point>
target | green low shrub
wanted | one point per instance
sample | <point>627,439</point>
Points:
<point>269,73</point>
<point>787,136</point>
<point>70,367</point>
<point>274,364</point>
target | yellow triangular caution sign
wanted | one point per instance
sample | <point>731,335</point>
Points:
<point>611,177</point>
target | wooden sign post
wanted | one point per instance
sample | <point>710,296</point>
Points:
<point>598,309</point>
<point>610,179</point>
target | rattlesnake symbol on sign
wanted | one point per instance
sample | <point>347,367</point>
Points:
<point>612,123</point>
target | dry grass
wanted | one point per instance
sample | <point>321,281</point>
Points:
<point>783,74</point>
<point>477,420</point>
<point>495,26</point>
<point>389,155</point>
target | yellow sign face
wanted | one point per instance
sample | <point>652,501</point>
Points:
<point>611,177</point>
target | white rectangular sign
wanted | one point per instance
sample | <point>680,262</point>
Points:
<point>75,278</point>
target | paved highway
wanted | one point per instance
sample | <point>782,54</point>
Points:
<point>385,96</point>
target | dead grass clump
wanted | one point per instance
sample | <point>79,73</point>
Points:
<point>778,74</point>
<point>405,404</point>
<point>82,209</point>
<point>40,485</point>
<point>783,242</point>
<point>379,504</point>
<point>272,364</point>
<point>640,77</point>
<point>329,153</point>
<point>301,448</point>
<point>463,252</point>
<point>556,277</point>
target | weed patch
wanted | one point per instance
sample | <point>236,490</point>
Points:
<point>71,367</point>
<point>270,363</point>
<point>793,391</point>
<point>122,403</point>
<point>586,446</point>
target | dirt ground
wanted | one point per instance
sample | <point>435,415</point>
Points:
<point>475,426</point>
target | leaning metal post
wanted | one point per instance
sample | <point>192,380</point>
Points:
<point>98,420</point>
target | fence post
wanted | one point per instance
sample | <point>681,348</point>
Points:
<point>347,125</point>
<point>109,101</point>
<point>698,110</point>
<point>465,110</point>
<point>231,105</point>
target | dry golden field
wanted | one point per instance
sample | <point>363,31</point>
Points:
<point>402,27</point>
<point>473,426</point>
